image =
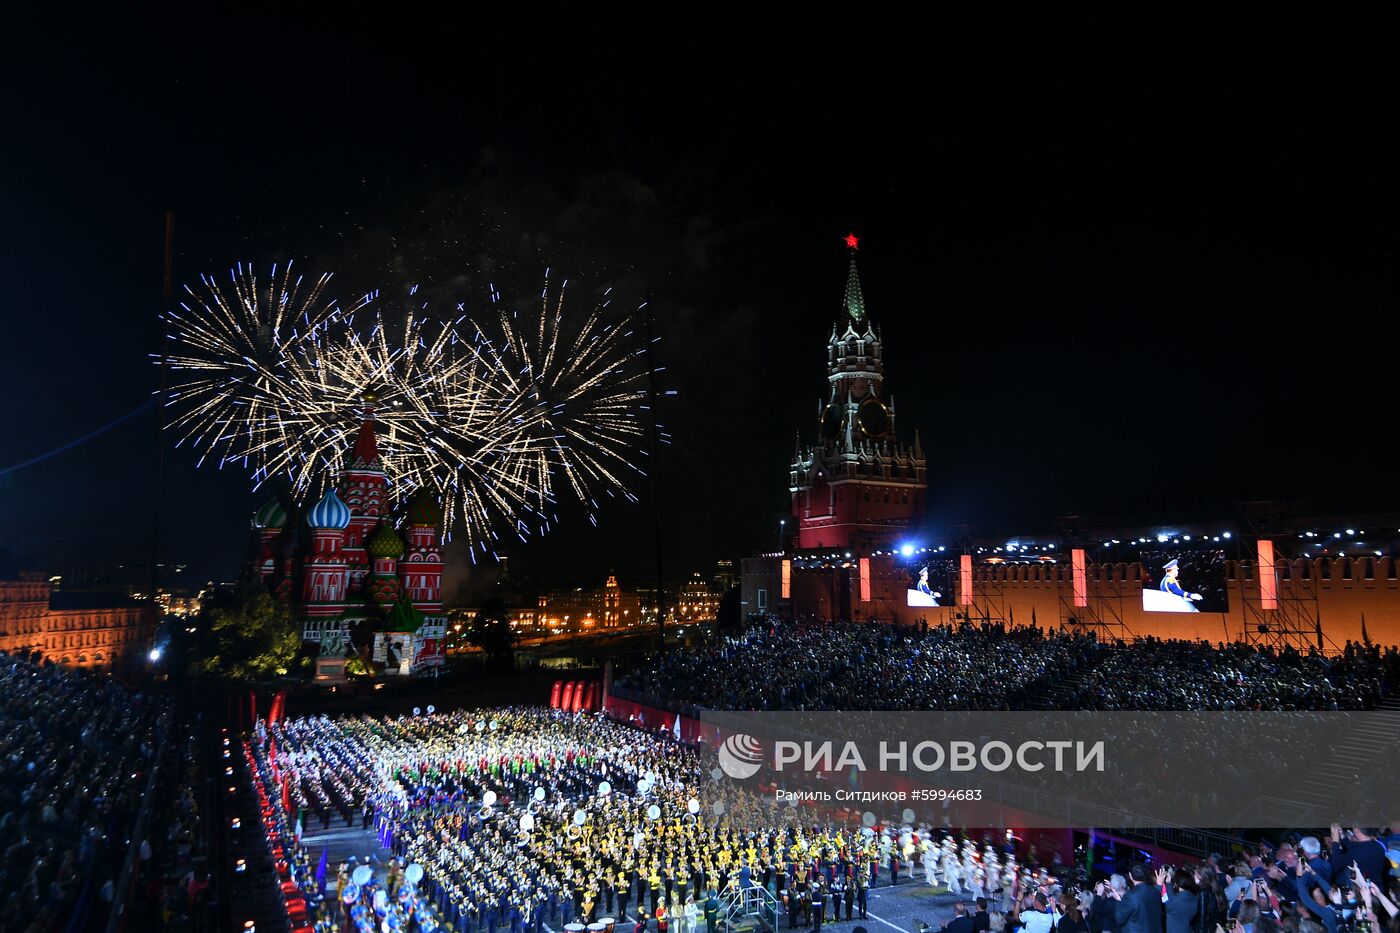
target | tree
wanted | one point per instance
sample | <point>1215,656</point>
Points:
<point>491,632</point>
<point>728,618</point>
<point>248,635</point>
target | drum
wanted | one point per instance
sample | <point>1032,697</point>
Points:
<point>597,927</point>
<point>608,924</point>
<point>573,928</point>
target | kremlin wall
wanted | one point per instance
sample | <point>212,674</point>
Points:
<point>1339,594</point>
<point>858,494</point>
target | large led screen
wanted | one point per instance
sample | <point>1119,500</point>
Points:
<point>929,583</point>
<point>1184,579</point>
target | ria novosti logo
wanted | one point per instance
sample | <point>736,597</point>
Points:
<point>740,756</point>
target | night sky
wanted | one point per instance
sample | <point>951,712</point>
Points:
<point>1110,290</point>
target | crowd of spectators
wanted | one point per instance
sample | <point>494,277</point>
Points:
<point>852,666</point>
<point>843,666</point>
<point>174,881</point>
<point>1151,674</point>
<point>76,749</point>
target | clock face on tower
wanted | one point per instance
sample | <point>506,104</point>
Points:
<point>831,422</point>
<point>874,418</point>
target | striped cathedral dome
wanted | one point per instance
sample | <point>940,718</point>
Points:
<point>271,515</point>
<point>330,512</point>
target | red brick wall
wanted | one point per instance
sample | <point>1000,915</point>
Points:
<point>1340,593</point>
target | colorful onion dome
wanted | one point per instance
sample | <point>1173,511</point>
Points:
<point>271,515</point>
<point>385,542</point>
<point>330,512</point>
<point>423,509</point>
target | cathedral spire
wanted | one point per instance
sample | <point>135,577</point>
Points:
<point>366,445</point>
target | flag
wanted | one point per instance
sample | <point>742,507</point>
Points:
<point>321,870</point>
<point>278,710</point>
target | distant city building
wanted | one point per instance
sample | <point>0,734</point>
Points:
<point>583,609</point>
<point>181,605</point>
<point>577,610</point>
<point>726,576</point>
<point>620,608</point>
<point>74,628</point>
<point>697,601</point>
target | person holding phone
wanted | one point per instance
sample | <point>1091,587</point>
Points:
<point>1313,895</point>
<point>1360,846</point>
<point>1101,916</point>
<point>1311,849</point>
<point>1180,895</point>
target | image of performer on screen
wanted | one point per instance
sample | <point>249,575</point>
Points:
<point>1170,583</point>
<point>924,587</point>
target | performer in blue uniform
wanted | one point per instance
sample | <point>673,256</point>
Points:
<point>1169,582</point>
<point>924,587</point>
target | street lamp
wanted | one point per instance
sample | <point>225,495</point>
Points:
<point>782,529</point>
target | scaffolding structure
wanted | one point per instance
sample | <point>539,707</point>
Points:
<point>1294,619</point>
<point>1095,609</point>
<point>988,595</point>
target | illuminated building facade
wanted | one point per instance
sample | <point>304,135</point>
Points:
<point>584,609</point>
<point>73,628</point>
<point>572,610</point>
<point>697,601</point>
<point>363,567</point>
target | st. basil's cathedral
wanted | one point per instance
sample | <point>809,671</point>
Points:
<point>347,568</point>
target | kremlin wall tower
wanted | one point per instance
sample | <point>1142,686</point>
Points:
<point>855,490</point>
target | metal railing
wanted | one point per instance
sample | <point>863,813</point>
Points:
<point>738,901</point>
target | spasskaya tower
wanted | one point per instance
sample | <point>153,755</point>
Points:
<point>856,486</point>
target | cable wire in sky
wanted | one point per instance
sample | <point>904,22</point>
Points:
<point>76,441</point>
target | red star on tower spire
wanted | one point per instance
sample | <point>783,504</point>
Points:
<point>852,240</point>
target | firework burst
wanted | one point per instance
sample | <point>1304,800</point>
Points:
<point>247,389</point>
<point>573,396</point>
<point>502,421</point>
